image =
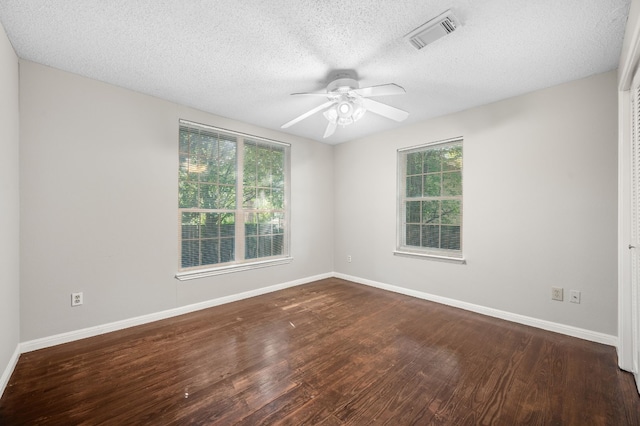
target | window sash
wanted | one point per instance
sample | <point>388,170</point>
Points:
<point>430,202</point>
<point>258,232</point>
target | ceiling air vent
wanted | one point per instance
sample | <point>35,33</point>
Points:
<point>429,32</point>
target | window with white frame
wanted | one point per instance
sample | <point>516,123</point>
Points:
<point>430,199</point>
<point>232,200</point>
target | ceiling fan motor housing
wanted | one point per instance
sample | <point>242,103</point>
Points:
<point>342,85</point>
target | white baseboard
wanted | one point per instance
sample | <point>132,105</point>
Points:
<point>6,375</point>
<point>144,319</point>
<point>568,330</point>
<point>57,339</point>
<point>71,336</point>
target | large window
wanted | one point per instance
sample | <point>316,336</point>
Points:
<point>430,199</point>
<point>233,200</point>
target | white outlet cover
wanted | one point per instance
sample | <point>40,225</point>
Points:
<point>76,299</point>
<point>574,296</point>
<point>557,293</point>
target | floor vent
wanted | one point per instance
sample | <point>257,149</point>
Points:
<point>431,31</point>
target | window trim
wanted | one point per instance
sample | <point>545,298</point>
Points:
<point>461,260</point>
<point>246,264</point>
<point>230,268</point>
<point>445,255</point>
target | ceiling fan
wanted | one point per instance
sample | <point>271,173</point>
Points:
<point>347,102</point>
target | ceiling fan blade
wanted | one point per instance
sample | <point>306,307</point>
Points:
<point>307,114</point>
<point>385,110</point>
<point>381,90</point>
<point>322,92</point>
<point>331,128</point>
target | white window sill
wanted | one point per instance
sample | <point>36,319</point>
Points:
<point>428,256</point>
<point>201,273</point>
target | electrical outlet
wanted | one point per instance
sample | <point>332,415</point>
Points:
<point>557,293</point>
<point>76,299</point>
<point>349,258</point>
<point>574,296</point>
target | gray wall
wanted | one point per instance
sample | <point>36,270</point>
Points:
<point>99,188</point>
<point>540,182</point>
<point>98,172</point>
<point>10,204</point>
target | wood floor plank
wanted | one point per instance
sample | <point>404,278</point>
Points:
<point>327,353</point>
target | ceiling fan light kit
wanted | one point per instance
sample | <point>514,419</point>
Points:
<point>346,111</point>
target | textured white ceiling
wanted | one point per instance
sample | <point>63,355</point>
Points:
<point>242,58</point>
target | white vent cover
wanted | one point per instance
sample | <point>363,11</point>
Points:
<point>427,33</point>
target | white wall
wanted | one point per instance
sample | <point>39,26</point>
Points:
<point>540,176</point>
<point>10,210</point>
<point>98,173</point>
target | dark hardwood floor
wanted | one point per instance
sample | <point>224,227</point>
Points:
<point>327,353</point>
